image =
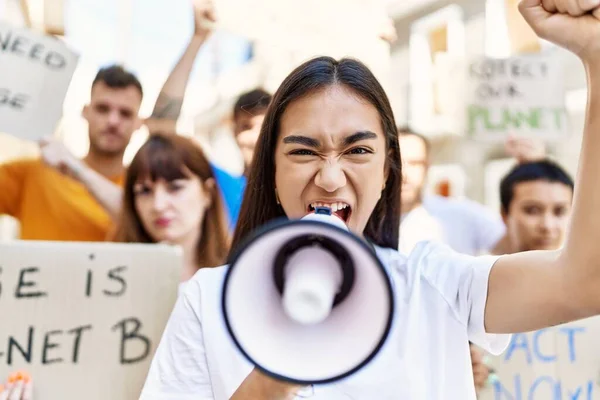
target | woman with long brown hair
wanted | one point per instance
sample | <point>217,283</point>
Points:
<point>170,196</point>
<point>329,139</point>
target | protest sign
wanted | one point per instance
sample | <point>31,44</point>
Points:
<point>522,95</point>
<point>84,318</point>
<point>558,363</point>
<point>35,73</point>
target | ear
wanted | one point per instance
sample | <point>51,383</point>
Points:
<point>85,111</point>
<point>210,187</point>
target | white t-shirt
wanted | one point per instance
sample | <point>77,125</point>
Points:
<point>440,301</point>
<point>468,227</point>
<point>418,226</point>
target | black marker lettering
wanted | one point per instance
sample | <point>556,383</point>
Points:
<point>16,45</point>
<point>19,100</point>
<point>4,42</point>
<point>55,60</point>
<point>13,343</point>
<point>48,346</point>
<point>131,334</point>
<point>88,284</point>
<point>30,284</point>
<point>77,342</point>
<point>35,51</point>
<point>113,274</point>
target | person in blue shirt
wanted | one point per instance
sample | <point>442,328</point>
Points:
<point>248,114</point>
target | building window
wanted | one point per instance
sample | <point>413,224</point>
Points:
<point>507,33</point>
<point>437,41</point>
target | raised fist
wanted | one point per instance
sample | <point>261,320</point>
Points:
<point>204,16</point>
<point>572,24</point>
<point>525,149</point>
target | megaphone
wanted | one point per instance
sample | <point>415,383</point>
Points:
<point>306,301</point>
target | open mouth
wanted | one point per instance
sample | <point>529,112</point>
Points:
<point>340,209</point>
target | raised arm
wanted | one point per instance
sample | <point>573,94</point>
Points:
<point>170,100</point>
<point>529,291</point>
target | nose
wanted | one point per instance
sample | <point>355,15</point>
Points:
<point>548,222</point>
<point>113,118</point>
<point>160,199</point>
<point>331,176</point>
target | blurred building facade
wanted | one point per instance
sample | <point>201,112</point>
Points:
<point>258,43</point>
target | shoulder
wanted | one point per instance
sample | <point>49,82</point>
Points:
<point>390,258</point>
<point>424,253</point>
<point>208,276</point>
<point>23,163</point>
<point>20,169</point>
<point>224,176</point>
<point>449,273</point>
<point>437,264</point>
<point>205,280</point>
<point>434,258</point>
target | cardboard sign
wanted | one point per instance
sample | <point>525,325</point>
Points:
<point>35,72</point>
<point>84,318</point>
<point>558,363</point>
<point>521,95</point>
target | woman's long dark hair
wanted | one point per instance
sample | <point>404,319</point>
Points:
<point>260,203</point>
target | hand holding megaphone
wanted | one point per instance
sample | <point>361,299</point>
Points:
<point>307,301</point>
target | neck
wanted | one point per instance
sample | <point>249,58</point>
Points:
<point>190,264</point>
<point>108,166</point>
<point>408,207</point>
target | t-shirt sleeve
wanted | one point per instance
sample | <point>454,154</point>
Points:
<point>179,369</point>
<point>462,280</point>
<point>12,182</point>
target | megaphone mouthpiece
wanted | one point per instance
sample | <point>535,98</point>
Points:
<point>311,264</point>
<point>326,215</point>
<point>313,277</point>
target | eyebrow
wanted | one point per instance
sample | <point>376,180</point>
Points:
<point>310,142</point>
<point>304,140</point>
<point>358,136</point>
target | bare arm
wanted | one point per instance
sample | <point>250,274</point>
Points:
<point>170,99</point>
<point>105,192</point>
<point>108,194</point>
<point>532,290</point>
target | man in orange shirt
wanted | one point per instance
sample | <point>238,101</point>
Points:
<point>60,197</point>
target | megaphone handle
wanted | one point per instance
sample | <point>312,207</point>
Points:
<point>337,250</point>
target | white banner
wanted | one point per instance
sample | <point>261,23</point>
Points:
<point>522,95</point>
<point>35,73</point>
<point>84,319</point>
<point>558,363</point>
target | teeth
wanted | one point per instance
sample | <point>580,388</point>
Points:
<point>334,206</point>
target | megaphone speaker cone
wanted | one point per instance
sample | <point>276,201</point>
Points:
<point>328,315</point>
